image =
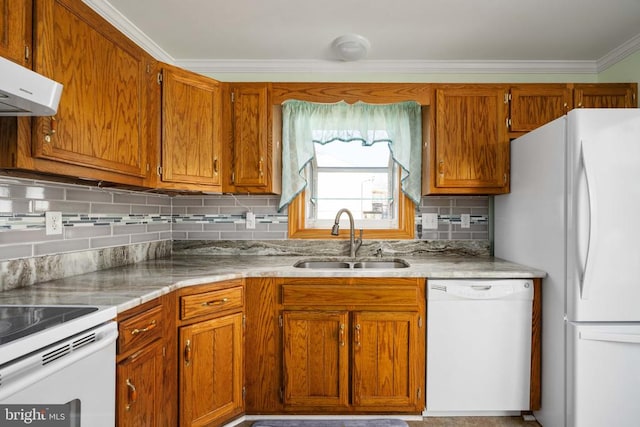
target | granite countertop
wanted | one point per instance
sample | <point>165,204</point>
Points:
<point>128,286</point>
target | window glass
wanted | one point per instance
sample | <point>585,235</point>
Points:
<point>361,178</point>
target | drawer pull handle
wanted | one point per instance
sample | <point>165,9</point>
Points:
<point>215,302</point>
<point>132,394</point>
<point>151,326</point>
<point>357,334</point>
<point>341,334</point>
<point>187,353</point>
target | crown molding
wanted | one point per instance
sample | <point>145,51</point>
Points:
<point>618,54</point>
<point>122,23</point>
<point>206,66</point>
<point>388,66</point>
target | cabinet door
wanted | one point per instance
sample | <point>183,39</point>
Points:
<point>605,95</point>
<point>139,387</point>
<point>471,142</point>
<point>250,135</point>
<point>100,122</point>
<point>211,367</point>
<point>15,30</point>
<point>191,116</point>
<point>532,106</point>
<point>316,358</point>
<point>385,360</point>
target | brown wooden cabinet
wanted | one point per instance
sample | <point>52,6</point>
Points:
<point>15,31</point>
<point>140,367</point>
<point>211,353</point>
<point>605,95</point>
<point>469,149</point>
<point>253,156</point>
<point>101,129</point>
<point>353,345</point>
<point>533,105</point>
<point>191,134</point>
<point>316,359</point>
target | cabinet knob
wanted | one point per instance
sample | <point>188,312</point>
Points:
<point>52,129</point>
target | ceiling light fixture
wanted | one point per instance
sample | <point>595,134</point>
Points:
<point>350,47</point>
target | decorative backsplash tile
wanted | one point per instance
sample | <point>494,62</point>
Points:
<point>96,218</point>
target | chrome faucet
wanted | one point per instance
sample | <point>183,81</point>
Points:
<point>354,244</point>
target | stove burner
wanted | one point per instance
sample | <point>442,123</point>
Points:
<point>20,321</point>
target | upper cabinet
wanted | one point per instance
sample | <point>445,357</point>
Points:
<point>532,105</point>
<point>100,130</point>
<point>605,95</point>
<point>469,148</point>
<point>15,30</point>
<point>191,132</point>
<point>253,157</point>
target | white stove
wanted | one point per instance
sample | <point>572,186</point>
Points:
<point>57,363</point>
<point>28,328</point>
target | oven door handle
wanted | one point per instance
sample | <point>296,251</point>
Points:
<point>25,372</point>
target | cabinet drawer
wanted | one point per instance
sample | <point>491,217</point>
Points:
<point>341,295</point>
<point>207,303</point>
<point>142,328</point>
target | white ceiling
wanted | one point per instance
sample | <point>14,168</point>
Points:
<point>240,35</point>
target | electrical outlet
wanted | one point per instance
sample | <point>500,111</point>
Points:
<point>53,223</point>
<point>465,220</point>
<point>250,220</point>
<point>429,221</point>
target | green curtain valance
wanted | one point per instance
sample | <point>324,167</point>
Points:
<point>305,123</point>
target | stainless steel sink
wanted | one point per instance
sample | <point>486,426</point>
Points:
<point>383,263</point>
<point>322,264</point>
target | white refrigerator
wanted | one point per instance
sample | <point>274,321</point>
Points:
<point>574,212</point>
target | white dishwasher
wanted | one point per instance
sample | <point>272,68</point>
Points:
<point>478,345</point>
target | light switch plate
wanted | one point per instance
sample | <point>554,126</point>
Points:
<point>250,220</point>
<point>53,223</point>
<point>429,221</point>
<point>465,220</point>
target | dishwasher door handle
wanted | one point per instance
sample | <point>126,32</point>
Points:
<point>479,290</point>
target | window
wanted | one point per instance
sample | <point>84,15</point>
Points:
<point>362,157</point>
<point>361,178</point>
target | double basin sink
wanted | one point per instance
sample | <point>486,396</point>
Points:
<point>377,263</point>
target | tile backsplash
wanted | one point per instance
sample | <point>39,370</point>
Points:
<point>95,218</point>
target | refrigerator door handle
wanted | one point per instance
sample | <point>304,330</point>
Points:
<point>584,263</point>
<point>610,337</point>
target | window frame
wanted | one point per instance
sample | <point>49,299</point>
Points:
<point>405,230</point>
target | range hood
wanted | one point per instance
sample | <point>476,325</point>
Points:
<point>26,93</point>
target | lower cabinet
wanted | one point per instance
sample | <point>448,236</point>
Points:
<point>140,367</point>
<point>352,345</point>
<point>315,359</point>
<point>140,386</point>
<point>211,353</point>
<point>322,351</point>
